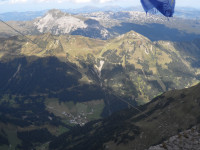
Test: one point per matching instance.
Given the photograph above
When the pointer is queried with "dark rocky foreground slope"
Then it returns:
(165, 116)
(186, 140)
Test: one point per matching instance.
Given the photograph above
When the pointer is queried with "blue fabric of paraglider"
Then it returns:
(166, 7)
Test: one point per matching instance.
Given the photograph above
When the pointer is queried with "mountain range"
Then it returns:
(99, 81)
(107, 25)
(128, 63)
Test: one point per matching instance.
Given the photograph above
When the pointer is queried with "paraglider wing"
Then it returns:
(147, 5)
(166, 7)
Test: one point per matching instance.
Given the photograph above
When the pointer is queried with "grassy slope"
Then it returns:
(162, 64)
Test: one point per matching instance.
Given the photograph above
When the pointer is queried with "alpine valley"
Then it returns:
(71, 81)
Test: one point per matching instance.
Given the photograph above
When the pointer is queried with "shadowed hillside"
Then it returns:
(164, 116)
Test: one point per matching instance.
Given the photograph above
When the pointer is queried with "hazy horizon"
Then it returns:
(39, 5)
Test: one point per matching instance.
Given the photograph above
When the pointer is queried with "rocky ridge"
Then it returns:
(186, 140)
(58, 22)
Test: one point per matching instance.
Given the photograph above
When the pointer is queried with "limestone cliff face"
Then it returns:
(58, 22)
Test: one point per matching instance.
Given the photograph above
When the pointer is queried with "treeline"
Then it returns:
(33, 138)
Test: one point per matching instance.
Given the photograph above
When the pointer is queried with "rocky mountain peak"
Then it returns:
(58, 22)
(134, 36)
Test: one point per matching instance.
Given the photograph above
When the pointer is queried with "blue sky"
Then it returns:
(32, 5)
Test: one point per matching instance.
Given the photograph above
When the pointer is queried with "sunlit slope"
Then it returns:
(131, 65)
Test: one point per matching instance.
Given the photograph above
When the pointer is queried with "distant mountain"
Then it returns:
(58, 22)
(21, 16)
(107, 25)
(182, 12)
(90, 9)
(31, 15)
(189, 13)
(155, 27)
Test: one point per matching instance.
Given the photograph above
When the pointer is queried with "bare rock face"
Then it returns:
(58, 22)
(186, 140)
